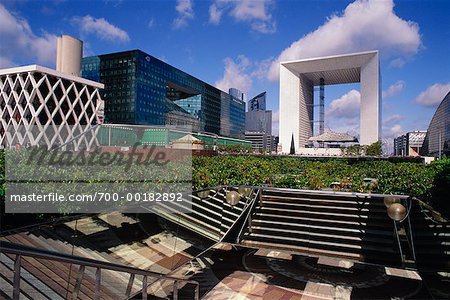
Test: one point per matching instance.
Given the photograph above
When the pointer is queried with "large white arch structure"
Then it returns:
(297, 81)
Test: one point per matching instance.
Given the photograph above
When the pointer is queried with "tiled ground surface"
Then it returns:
(230, 272)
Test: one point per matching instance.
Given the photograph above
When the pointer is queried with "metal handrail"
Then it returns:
(269, 188)
(25, 251)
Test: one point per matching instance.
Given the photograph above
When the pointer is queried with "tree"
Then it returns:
(374, 149)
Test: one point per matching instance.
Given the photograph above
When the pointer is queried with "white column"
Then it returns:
(289, 108)
(370, 111)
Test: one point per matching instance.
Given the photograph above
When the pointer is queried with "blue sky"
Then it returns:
(239, 44)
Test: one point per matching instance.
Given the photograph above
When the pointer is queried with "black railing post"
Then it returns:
(129, 286)
(144, 288)
(17, 266)
(98, 279)
(77, 287)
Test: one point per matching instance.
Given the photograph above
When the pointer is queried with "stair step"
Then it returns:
(323, 206)
(346, 247)
(336, 197)
(386, 226)
(322, 214)
(349, 202)
(302, 250)
(191, 223)
(30, 286)
(321, 236)
(306, 226)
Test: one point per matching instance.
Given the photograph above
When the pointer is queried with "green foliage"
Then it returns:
(358, 150)
(353, 150)
(374, 149)
(235, 148)
(429, 183)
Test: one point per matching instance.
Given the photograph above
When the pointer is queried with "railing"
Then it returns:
(23, 251)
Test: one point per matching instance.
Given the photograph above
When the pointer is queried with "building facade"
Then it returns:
(258, 124)
(258, 102)
(232, 121)
(139, 87)
(437, 139)
(261, 141)
(259, 121)
(409, 144)
(50, 106)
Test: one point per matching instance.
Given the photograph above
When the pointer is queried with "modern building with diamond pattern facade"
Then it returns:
(58, 106)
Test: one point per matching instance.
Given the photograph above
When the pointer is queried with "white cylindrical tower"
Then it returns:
(68, 55)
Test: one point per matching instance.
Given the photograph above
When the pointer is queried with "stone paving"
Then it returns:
(234, 272)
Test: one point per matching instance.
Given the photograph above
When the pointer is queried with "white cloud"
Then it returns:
(185, 12)
(151, 23)
(215, 14)
(100, 28)
(19, 42)
(256, 13)
(394, 89)
(236, 75)
(392, 119)
(345, 107)
(394, 131)
(364, 25)
(433, 95)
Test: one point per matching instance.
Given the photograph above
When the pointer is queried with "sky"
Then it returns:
(240, 44)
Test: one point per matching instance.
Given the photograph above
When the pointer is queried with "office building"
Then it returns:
(437, 139)
(259, 121)
(258, 124)
(297, 81)
(409, 144)
(232, 120)
(141, 89)
(258, 102)
(261, 141)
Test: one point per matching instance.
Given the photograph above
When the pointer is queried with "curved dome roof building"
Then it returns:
(438, 134)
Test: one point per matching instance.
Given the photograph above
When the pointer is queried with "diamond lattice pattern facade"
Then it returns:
(41, 106)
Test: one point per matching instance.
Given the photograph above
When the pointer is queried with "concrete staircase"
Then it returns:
(113, 238)
(210, 217)
(432, 239)
(347, 225)
(56, 279)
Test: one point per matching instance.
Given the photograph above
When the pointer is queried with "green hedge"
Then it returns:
(429, 183)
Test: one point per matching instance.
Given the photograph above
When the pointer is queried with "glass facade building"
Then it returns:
(143, 90)
(437, 140)
(258, 102)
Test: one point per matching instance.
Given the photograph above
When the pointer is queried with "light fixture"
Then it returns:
(396, 212)
(203, 194)
(233, 198)
(245, 191)
(388, 201)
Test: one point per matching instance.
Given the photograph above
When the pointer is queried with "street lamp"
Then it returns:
(233, 198)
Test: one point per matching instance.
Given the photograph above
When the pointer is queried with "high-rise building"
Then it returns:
(141, 89)
(259, 121)
(258, 124)
(232, 121)
(409, 144)
(258, 102)
(437, 139)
